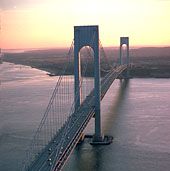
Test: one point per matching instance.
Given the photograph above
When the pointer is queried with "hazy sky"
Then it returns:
(49, 23)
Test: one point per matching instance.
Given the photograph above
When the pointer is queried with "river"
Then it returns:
(136, 113)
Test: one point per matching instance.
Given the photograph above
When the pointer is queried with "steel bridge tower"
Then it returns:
(124, 41)
(88, 36)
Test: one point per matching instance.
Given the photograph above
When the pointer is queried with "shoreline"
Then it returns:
(52, 72)
(53, 62)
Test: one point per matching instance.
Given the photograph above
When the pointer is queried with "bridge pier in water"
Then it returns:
(88, 36)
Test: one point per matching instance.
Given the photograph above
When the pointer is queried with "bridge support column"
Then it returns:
(97, 85)
(77, 77)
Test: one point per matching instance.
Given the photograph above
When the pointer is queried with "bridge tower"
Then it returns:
(88, 36)
(124, 41)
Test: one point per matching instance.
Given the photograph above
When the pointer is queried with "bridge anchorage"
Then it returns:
(67, 115)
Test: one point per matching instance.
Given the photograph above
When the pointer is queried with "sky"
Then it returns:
(49, 23)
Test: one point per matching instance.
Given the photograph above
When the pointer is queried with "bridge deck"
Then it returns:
(55, 154)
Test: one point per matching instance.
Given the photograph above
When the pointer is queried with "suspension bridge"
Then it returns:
(74, 103)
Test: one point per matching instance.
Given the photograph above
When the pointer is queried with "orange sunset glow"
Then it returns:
(49, 23)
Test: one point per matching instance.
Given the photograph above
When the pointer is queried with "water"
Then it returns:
(24, 94)
(136, 113)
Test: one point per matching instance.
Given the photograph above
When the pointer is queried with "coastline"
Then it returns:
(53, 62)
(135, 71)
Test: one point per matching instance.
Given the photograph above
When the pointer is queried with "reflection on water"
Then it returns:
(135, 112)
(120, 95)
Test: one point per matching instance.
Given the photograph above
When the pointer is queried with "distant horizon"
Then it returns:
(66, 47)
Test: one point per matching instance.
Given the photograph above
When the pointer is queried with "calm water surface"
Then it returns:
(136, 113)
